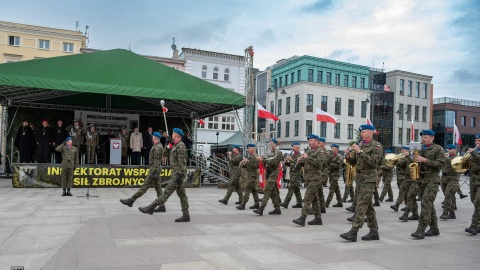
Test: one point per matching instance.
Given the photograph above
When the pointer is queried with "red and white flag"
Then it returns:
(164, 109)
(261, 176)
(368, 122)
(201, 122)
(262, 113)
(325, 117)
(458, 139)
(412, 132)
(386, 88)
(280, 176)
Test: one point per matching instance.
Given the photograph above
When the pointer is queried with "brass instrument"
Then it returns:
(391, 160)
(350, 170)
(462, 164)
(298, 159)
(414, 168)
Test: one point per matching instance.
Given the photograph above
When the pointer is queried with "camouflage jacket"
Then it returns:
(448, 174)
(403, 169)
(252, 168)
(233, 162)
(272, 166)
(293, 164)
(155, 157)
(435, 162)
(387, 171)
(368, 161)
(69, 155)
(326, 166)
(178, 158)
(475, 162)
(313, 164)
(335, 164)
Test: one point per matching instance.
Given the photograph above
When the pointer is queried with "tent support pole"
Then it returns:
(4, 135)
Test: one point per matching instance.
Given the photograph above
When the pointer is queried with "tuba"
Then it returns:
(414, 168)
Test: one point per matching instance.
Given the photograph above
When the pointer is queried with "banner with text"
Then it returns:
(50, 175)
(106, 121)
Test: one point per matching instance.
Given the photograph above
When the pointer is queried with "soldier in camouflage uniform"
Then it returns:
(387, 177)
(69, 159)
(250, 163)
(177, 153)
(430, 161)
(475, 186)
(273, 170)
(295, 177)
(449, 184)
(325, 169)
(367, 158)
(335, 163)
(411, 189)
(234, 158)
(312, 161)
(153, 177)
(402, 174)
(349, 189)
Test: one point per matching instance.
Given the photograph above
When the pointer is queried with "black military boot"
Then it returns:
(64, 192)
(452, 215)
(315, 221)
(432, 232)
(404, 217)
(463, 196)
(351, 200)
(300, 221)
(275, 211)
(327, 205)
(377, 203)
(395, 207)
(255, 206)
(413, 217)
(160, 208)
(350, 235)
(298, 205)
(372, 235)
(351, 218)
(419, 234)
(472, 230)
(444, 215)
(389, 200)
(68, 192)
(344, 199)
(380, 199)
(128, 202)
(351, 209)
(184, 218)
(258, 211)
(147, 209)
(239, 202)
(284, 205)
(323, 210)
(403, 209)
(223, 201)
(339, 204)
(241, 207)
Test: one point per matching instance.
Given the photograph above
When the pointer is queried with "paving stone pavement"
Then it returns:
(39, 229)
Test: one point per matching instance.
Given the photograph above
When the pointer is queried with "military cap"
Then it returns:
(428, 132)
(476, 136)
(157, 134)
(313, 136)
(295, 143)
(335, 145)
(178, 131)
(405, 148)
(451, 146)
(68, 138)
(366, 127)
(44, 120)
(274, 140)
(388, 151)
(250, 145)
(236, 146)
(322, 139)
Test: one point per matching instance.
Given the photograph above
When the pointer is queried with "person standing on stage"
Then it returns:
(234, 157)
(251, 164)
(75, 132)
(59, 136)
(335, 164)
(91, 142)
(44, 138)
(177, 153)
(475, 186)
(69, 160)
(449, 184)
(295, 177)
(24, 141)
(136, 144)
(123, 135)
(148, 144)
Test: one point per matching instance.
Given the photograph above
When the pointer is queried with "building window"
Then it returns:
(297, 103)
(415, 135)
(13, 41)
(275, 84)
(309, 102)
(213, 122)
(286, 80)
(204, 72)
(464, 120)
(409, 135)
(402, 87)
(279, 107)
(320, 76)
(345, 80)
(67, 47)
(287, 129)
(215, 73)
(424, 90)
(279, 129)
(323, 129)
(287, 109)
(409, 93)
(44, 44)
(226, 75)
(299, 76)
(338, 106)
(323, 103)
(228, 123)
(417, 109)
(295, 128)
(424, 114)
(337, 79)
(310, 75)
(308, 127)
(272, 128)
(272, 107)
(364, 109)
(472, 121)
(400, 110)
(350, 131)
(329, 78)
(351, 107)
(354, 82)
(409, 112)
(400, 136)
(417, 89)
(292, 76)
(280, 82)
(336, 131)
(362, 83)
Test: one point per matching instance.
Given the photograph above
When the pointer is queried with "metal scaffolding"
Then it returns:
(249, 98)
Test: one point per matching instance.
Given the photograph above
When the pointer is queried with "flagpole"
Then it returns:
(454, 124)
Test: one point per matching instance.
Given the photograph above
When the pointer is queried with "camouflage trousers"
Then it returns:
(311, 199)
(271, 191)
(321, 196)
(365, 207)
(387, 187)
(293, 188)
(475, 198)
(170, 188)
(449, 189)
(402, 191)
(333, 189)
(153, 177)
(234, 185)
(428, 216)
(358, 183)
(67, 175)
(411, 188)
(349, 191)
(250, 187)
(400, 180)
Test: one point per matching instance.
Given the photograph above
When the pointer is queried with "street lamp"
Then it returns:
(216, 152)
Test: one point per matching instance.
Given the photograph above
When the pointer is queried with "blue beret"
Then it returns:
(476, 136)
(295, 143)
(250, 145)
(428, 132)
(178, 131)
(235, 146)
(274, 140)
(388, 151)
(335, 145)
(405, 148)
(68, 139)
(157, 134)
(322, 139)
(451, 146)
(366, 127)
(313, 136)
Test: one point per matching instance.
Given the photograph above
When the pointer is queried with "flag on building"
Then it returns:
(201, 122)
(368, 122)
(262, 113)
(261, 176)
(412, 132)
(325, 117)
(457, 139)
(386, 88)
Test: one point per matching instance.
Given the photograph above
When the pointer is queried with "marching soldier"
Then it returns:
(367, 158)
(75, 132)
(234, 158)
(295, 177)
(153, 177)
(430, 162)
(91, 143)
(349, 190)
(334, 173)
(59, 136)
(69, 160)
(273, 172)
(449, 184)
(251, 164)
(326, 157)
(387, 177)
(402, 174)
(177, 153)
(312, 161)
(24, 141)
(475, 186)
(123, 135)
(411, 189)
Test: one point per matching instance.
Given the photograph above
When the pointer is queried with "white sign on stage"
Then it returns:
(108, 121)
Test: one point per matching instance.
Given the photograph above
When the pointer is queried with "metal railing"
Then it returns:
(211, 166)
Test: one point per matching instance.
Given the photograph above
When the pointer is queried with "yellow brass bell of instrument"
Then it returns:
(414, 169)
(461, 164)
(391, 160)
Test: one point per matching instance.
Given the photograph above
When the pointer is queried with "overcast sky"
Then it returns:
(438, 38)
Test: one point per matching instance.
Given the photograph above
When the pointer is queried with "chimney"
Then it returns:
(175, 55)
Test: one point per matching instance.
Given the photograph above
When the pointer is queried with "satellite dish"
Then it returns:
(174, 47)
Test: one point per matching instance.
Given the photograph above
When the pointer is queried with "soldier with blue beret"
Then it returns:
(475, 185)
(295, 177)
(234, 158)
(69, 160)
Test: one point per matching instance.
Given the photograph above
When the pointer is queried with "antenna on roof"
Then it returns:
(87, 36)
(129, 47)
(383, 66)
(76, 26)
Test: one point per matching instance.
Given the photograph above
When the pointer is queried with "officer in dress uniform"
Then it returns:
(75, 132)
(125, 137)
(91, 143)
(295, 177)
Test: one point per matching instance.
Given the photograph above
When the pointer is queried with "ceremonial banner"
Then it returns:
(106, 121)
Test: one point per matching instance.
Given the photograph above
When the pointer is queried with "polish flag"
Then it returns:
(458, 140)
(164, 109)
(325, 117)
(386, 88)
(262, 113)
(261, 176)
(201, 122)
(280, 176)
(370, 123)
(412, 132)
